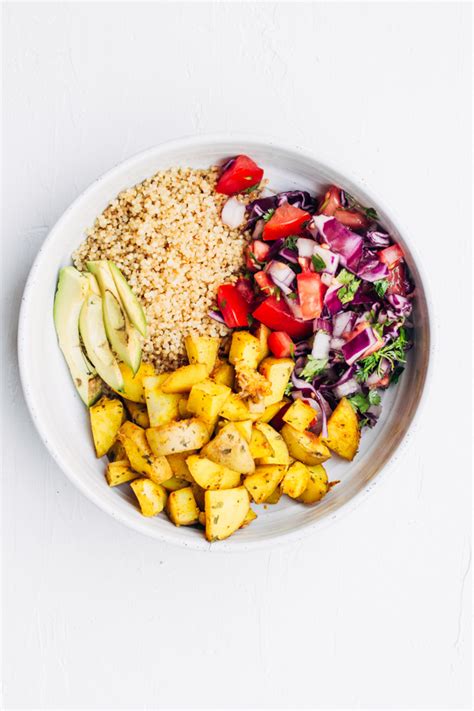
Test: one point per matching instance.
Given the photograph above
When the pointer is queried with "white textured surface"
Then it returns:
(371, 613)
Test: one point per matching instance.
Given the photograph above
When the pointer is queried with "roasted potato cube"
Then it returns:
(181, 507)
(251, 516)
(264, 482)
(299, 415)
(230, 449)
(275, 496)
(270, 411)
(295, 480)
(178, 465)
(184, 413)
(261, 334)
(244, 350)
(162, 407)
(174, 484)
(117, 452)
(140, 455)
(202, 349)
(138, 413)
(133, 384)
(151, 496)
(224, 374)
(245, 429)
(106, 417)
(343, 430)
(210, 475)
(119, 472)
(259, 445)
(278, 372)
(280, 453)
(306, 447)
(183, 379)
(236, 410)
(317, 486)
(198, 492)
(225, 512)
(181, 436)
(206, 400)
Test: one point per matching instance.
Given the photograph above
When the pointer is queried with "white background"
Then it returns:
(370, 613)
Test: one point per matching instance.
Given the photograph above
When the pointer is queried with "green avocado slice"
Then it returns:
(123, 336)
(91, 326)
(70, 296)
(131, 304)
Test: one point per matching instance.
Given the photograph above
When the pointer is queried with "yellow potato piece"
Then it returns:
(295, 480)
(235, 409)
(140, 455)
(181, 436)
(225, 512)
(299, 415)
(259, 445)
(245, 429)
(343, 430)
(250, 516)
(174, 484)
(202, 349)
(261, 334)
(210, 475)
(280, 453)
(317, 486)
(206, 400)
(106, 417)
(178, 465)
(138, 413)
(183, 411)
(306, 447)
(270, 411)
(151, 496)
(224, 374)
(264, 482)
(244, 350)
(230, 449)
(183, 379)
(117, 452)
(181, 507)
(133, 384)
(119, 472)
(278, 372)
(162, 407)
(275, 496)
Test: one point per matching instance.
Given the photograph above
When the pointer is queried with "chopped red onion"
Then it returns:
(330, 259)
(258, 229)
(348, 388)
(233, 213)
(289, 255)
(216, 315)
(336, 343)
(281, 272)
(326, 278)
(357, 346)
(341, 240)
(400, 304)
(331, 299)
(342, 322)
(305, 247)
(320, 348)
(322, 324)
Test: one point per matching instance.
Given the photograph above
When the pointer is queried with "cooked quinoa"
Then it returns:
(167, 237)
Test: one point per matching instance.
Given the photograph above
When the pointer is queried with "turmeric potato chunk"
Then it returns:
(306, 447)
(106, 417)
(151, 496)
(343, 430)
(141, 457)
(202, 349)
(317, 486)
(280, 453)
(210, 475)
(244, 350)
(278, 372)
(264, 482)
(295, 480)
(183, 379)
(119, 472)
(162, 407)
(133, 384)
(181, 507)
(230, 449)
(299, 415)
(225, 512)
(206, 400)
(181, 436)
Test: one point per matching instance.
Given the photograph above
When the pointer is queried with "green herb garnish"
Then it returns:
(381, 287)
(368, 211)
(361, 403)
(347, 292)
(313, 367)
(288, 388)
(252, 188)
(290, 241)
(393, 351)
(318, 263)
(268, 214)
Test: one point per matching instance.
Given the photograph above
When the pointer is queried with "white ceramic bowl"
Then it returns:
(62, 420)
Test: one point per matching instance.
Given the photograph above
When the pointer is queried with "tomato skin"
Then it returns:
(355, 332)
(260, 251)
(263, 281)
(244, 287)
(305, 263)
(234, 308)
(281, 344)
(353, 219)
(286, 220)
(382, 383)
(331, 202)
(276, 315)
(397, 280)
(391, 256)
(311, 294)
(241, 175)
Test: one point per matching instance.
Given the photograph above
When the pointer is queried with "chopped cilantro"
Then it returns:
(393, 351)
(347, 292)
(318, 263)
(268, 214)
(290, 241)
(250, 319)
(313, 367)
(291, 295)
(252, 188)
(381, 287)
(368, 211)
(289, 388)
(361, 402)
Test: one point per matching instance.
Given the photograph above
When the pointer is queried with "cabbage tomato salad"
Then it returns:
(329, 281)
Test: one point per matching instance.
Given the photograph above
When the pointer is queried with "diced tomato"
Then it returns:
(310, 294)
(331, 201)
(382, 383)
(263, 281)
(286, 220)
(257, 252)
(276, 315)
(391, 256)
(281, 344)
(305, 263)
(241, 175)
(244, 286)
(355, 332)
(397, 280)
(234, 308)
(353, 219)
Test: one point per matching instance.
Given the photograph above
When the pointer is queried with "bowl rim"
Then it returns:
(233, 544)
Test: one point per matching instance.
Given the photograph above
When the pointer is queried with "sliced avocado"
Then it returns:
(70, 296)
(91, 326)
(131, 304)
(123, 336)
